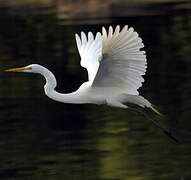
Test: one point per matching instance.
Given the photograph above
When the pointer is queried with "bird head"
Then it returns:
(32, 68)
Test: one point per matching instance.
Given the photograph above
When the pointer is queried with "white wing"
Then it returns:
(89, 50)
(123, 63)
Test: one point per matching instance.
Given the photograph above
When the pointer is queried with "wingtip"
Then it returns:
(83, 33)
(98, 34)
(110, 28)
(126, 26)
(76, 35)
(118, 26)
(103, 29)
(104, 32)
(156, 111)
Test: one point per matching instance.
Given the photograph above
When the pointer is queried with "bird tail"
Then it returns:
(138, 100)
(145, 103)
(156, 111)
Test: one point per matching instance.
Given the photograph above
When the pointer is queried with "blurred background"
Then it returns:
(44, 139)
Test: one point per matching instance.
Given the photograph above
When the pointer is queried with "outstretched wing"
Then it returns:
(89, 50)
(122, 63)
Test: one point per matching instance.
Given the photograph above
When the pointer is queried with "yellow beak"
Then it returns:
(17, 69)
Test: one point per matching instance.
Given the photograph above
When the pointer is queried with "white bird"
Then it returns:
(115, 65)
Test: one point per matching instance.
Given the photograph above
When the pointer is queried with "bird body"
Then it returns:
(87, 93)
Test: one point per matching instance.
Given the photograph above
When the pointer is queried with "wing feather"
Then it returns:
(123, 63)
(89, 50)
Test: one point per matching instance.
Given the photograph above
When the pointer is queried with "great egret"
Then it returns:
(115, 65)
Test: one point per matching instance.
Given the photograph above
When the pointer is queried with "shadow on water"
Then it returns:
(43, 139)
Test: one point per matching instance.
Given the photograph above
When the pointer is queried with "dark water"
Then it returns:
(44, 139)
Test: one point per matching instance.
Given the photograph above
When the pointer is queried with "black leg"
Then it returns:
(166, 132)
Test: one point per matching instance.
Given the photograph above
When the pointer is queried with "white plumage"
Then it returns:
(122, 62)
(115, 64)
(89, 50)
(118, 56)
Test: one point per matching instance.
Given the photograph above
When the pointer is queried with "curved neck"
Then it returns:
(50, 89)
(50, 79)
